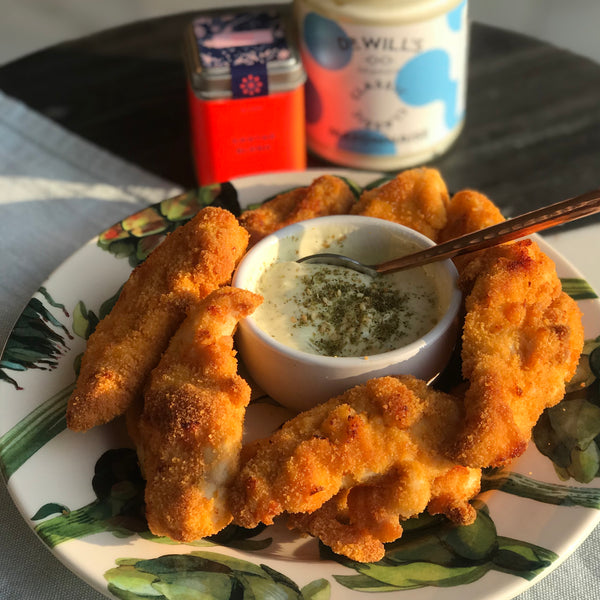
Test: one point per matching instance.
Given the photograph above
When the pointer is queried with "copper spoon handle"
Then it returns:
(511, 229)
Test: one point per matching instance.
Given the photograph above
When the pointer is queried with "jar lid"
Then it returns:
(380, 12)
(242, 54)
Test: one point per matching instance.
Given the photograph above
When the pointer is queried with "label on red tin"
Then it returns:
(384, 90)
(244, 42)
(248, 81)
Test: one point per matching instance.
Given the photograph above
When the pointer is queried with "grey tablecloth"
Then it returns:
(57, 192)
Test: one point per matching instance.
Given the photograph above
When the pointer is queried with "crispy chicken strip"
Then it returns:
(190, 432)
(358, 521)
(337, 444)
(468, 211)
(522, 339)
(349, 440)
(192, 261)
(417, 198)
(326, 195)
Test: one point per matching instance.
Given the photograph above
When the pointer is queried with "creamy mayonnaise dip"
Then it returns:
(334, 311)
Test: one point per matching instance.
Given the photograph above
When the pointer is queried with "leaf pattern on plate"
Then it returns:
(38, 339)
(207, 575)
(119, 509)
(549, 493)
(37, 428)
(434, 552)
(137, 235)
(578, 289)
(569, 433)
(32, 432)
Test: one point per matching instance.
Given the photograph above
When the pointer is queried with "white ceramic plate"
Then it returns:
(522, 532)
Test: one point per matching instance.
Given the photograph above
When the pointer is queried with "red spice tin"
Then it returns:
(246, 94)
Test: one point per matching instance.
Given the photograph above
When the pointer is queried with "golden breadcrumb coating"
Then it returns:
(469, 211)
(522, 339)
(311, 457)
(190, 431)
(417, 198)
(326, 195)
(337, 444)
(387, 425)
(359, 520)
(191, 262)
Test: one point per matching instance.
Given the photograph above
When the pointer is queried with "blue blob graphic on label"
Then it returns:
(455, 16)
(327, 42)
(366, 141)
(425, 79)
(312, 101)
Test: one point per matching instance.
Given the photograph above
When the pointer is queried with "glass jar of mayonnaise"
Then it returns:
(386, 78)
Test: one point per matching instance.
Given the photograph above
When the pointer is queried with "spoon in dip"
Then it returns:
(506, 231)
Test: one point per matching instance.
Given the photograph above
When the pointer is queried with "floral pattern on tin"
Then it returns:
(241, 39)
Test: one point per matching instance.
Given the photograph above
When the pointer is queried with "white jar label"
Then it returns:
(384, 91)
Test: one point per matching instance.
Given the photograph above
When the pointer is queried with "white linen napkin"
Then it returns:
(57, 191)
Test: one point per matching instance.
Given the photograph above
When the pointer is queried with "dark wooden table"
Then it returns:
(532, 133)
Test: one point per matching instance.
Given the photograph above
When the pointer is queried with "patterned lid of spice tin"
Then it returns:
(242, 54)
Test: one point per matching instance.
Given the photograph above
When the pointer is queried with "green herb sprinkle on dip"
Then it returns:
(333, 311)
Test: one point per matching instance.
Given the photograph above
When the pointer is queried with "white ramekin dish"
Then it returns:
(299, 380)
